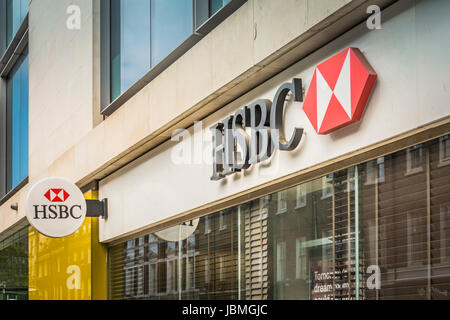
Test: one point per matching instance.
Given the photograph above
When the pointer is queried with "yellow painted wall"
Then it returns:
(99, 258)
(70, 268)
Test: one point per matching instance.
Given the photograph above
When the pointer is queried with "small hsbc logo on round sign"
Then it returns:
(55, 207)
(56, 195)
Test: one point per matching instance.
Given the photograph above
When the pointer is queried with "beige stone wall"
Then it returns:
(259, 40)
(61, 85)
(60, 90)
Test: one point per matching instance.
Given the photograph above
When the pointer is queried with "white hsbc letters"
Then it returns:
(235, 150)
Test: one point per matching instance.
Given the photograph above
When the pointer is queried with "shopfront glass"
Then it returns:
(14, 266)
(378, 230)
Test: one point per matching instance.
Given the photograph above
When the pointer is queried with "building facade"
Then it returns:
(248, 149)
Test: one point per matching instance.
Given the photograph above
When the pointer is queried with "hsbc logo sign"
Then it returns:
(336, 97)
(55, 207)
(339, 91)
(56, 195)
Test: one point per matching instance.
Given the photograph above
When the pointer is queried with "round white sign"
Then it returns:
(179, 232)
(55, 207)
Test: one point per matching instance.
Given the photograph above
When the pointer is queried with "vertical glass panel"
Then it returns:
(439, 180)
(17, 125)
(9, 21)
(210, 255)
(207, 8)
(302, 239)
(115, 49)
(172, 23)
(216, 5)
(254, 250)
(395, 212)
(23, 158)
(130, 43)
(16, 11)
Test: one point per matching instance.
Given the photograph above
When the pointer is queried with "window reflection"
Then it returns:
(14, 266)
(171, 24)
(216, 5)
(130, 43)
(332, 230)
(17, 124)
(144, 32)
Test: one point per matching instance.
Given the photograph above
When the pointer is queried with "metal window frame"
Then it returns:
(107, 107)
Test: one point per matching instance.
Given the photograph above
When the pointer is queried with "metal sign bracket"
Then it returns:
(97, 208)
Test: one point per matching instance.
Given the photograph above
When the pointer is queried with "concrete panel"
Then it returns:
(60, 79)
(275, 25)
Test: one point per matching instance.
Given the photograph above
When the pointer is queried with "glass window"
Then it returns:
(171, 24)
(444, 148)
(281, 261)
(205, 9)
(282, 202)
(17, 125)
(301, 263)
(301, 196)
(414, 157)
(380, 163)
(387, 239)
(14, 266)
(223, 219)
(327, 186)
(216, 5)
(144, 32)
(130, 43)
(264, 207)
(16, 11)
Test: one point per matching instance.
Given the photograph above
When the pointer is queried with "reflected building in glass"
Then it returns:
(320, 240)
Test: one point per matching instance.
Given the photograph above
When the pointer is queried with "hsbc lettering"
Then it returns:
(57, 212)
(55, 207)
(337, 96)
(264, 119)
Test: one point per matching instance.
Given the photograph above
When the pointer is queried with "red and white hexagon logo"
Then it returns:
(56, 195)
(339, 91)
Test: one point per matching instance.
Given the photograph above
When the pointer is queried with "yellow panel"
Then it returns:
(60, 269)
(99, 256)
(63, 268)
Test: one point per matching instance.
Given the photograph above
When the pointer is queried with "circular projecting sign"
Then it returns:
(179, 232)
(55, 207)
